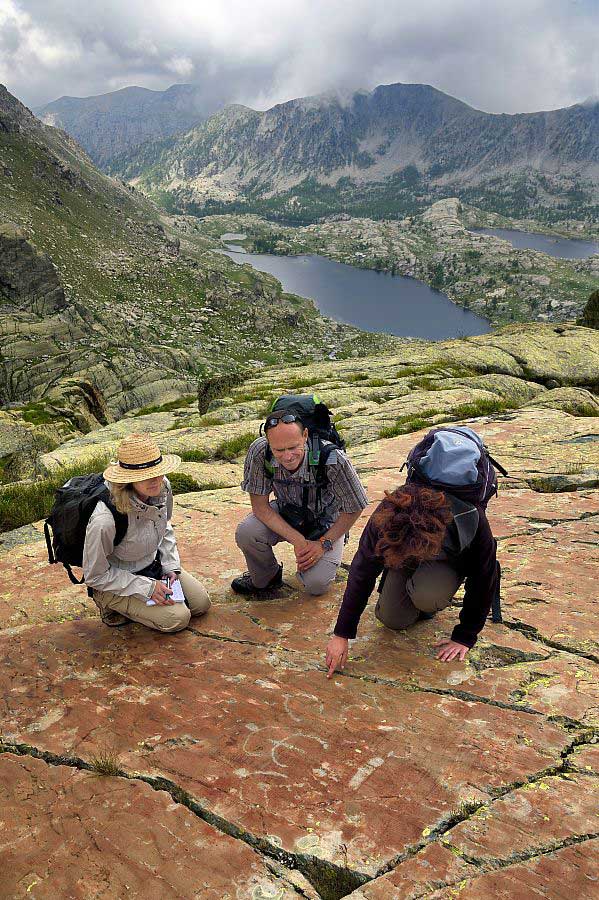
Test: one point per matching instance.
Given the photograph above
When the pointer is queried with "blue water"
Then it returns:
(373, 301)
(564, 248)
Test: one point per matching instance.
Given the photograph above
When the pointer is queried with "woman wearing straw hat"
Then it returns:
(133, 580)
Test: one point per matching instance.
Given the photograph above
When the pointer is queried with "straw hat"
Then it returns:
(138, 458)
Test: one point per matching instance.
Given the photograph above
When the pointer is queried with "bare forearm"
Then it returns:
(341, 526)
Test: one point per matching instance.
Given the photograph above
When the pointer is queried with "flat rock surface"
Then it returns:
(401, 777)
(133, 837)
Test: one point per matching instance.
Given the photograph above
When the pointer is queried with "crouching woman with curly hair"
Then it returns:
(425, 542)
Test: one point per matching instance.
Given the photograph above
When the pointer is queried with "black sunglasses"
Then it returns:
(286, 419)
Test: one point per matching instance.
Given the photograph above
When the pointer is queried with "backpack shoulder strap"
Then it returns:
(327, 451)
(320, 470)
(268, 464)
(465, 520)
(497, 465)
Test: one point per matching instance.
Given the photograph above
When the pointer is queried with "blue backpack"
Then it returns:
(455, 459)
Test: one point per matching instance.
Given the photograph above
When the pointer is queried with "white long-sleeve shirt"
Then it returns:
(110, 568)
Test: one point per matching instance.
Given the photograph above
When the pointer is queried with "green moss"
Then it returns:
(358, 376)
(37, 413)
(186, 400)
(481, 407)
(405, 425)
(585, 409)
(427, 384)
(214, 387)
(209, 420)
(234, 447)
(545, 484)
(194, 455)
(211, 486)
(299, 383)
(182, 483)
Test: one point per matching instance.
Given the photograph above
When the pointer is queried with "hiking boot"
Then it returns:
(245, 585)
(424, 616)
(111, 617)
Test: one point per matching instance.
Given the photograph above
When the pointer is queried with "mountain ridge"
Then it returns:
(124, 118)
(373, 138)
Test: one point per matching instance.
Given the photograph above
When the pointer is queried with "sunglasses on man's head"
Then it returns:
(286, 419)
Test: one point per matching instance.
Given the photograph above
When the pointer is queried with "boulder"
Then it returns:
(576, 401)
(29, 281)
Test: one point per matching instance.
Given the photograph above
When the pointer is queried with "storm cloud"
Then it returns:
(509, 56)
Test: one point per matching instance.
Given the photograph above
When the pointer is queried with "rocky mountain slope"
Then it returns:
(402, 777)
(420, 384)
(103, 311)
(402, 140)
(117, 122)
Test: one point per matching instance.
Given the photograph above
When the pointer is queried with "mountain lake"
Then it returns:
(564, 248)
(373, 301)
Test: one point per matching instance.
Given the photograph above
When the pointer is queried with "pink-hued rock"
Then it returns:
(526, 830)
(361, 770)
(562, 874)
(587, 759)
(350, 766)
(69, 833)
(553, 582)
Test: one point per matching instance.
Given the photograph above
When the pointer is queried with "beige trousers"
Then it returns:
(173, 617)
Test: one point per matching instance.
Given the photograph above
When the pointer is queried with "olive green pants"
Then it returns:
(404, 597)
(173, 617)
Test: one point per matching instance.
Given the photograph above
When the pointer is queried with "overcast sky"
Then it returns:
(507, 56)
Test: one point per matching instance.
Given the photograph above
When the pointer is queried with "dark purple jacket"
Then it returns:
(477, 564)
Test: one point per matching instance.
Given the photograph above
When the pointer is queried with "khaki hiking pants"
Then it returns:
(256, 540)
(173, 617)
(403, 597)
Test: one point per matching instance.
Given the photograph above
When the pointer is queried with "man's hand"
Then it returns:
(451, 650)
(307, 554)
(162, 594)
(336, 655)
(171, 577)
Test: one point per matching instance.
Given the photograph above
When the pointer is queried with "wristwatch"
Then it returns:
(326, 544)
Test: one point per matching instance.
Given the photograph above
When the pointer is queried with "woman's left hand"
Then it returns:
(451, 650)
(171, 577)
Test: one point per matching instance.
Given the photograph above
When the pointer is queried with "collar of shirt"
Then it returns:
(153, 502)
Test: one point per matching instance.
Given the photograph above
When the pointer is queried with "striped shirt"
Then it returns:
(342, 493)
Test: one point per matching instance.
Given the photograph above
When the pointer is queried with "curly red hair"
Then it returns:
(412, 521)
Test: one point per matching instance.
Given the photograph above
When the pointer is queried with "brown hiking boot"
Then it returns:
(111, 617)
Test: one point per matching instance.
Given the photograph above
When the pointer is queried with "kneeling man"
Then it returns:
(314, 507)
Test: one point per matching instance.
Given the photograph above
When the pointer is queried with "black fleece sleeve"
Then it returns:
(365, 568)
(479, 562)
